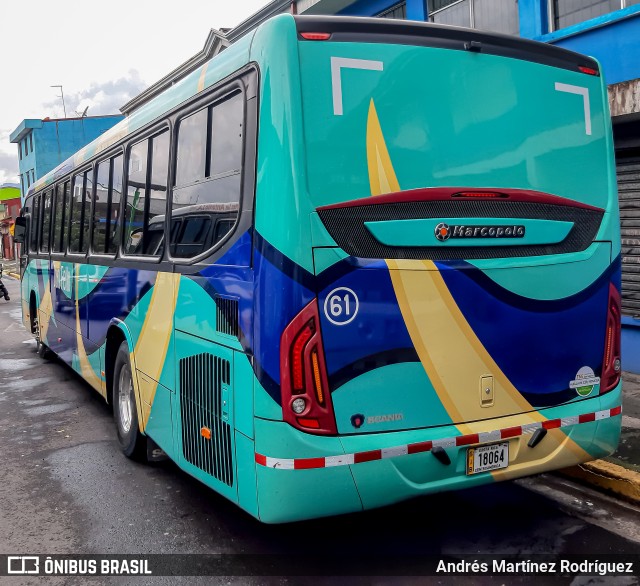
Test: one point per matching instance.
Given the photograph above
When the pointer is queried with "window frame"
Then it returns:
(58, 190)
(155, 130)
(219, 94)
(35, 224)
(109, 158)
(80, 173)
(245, 81)
(47, 190)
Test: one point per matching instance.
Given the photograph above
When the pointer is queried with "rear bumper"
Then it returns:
(300, 476)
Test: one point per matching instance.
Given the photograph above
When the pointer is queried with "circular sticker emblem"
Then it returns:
(585, 382)
(442, 232)
(341, 306)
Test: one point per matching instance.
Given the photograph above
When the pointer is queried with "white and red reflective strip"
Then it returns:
(417, 448)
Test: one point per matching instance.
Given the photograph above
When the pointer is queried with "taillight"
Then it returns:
(480, 194)
(611, 365)
(588, 70)
(316, 36)
(306, 401)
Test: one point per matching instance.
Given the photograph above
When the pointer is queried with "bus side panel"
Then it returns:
(204, 413)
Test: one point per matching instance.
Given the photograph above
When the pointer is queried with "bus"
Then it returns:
(345, 263)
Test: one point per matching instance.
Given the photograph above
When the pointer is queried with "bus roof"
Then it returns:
(405, 32)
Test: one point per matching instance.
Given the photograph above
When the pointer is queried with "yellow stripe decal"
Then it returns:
(203, 76)
(153, 342)
(85, 367)
(382, 176)
(450, 352)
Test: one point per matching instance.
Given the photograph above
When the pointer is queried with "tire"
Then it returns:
(42, 349)
(125, 412)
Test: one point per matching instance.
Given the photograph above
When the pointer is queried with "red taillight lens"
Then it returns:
(588, 70)
(611, 366)
(306, 400)
(481, 194)
(316, 36)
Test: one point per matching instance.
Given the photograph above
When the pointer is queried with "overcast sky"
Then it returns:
(102, 53)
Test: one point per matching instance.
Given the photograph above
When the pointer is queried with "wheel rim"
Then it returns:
(125, 398)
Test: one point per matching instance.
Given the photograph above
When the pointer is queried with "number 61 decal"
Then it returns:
(341, 306)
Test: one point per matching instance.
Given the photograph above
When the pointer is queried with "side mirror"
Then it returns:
(20, 230)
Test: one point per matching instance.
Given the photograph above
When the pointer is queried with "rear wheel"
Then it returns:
(125, 412)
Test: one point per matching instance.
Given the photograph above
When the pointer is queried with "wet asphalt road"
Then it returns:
(66, 488)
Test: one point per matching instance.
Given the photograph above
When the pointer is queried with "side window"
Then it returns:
(75, 213)
(115, 196)
(46, 222)
(211, 191)
(35, 224)
(192, 148)
(85, 221)
(101, 209)
(106, 210)
(65, 218)
(147, 196)
(193, 237)
(58, 219)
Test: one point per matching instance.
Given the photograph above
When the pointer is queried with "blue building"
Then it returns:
(44, 144)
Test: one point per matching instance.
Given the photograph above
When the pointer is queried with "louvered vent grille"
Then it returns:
(227, 315)
(629, 190)
(202, 379)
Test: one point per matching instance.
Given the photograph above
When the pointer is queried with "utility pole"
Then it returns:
(62, 96)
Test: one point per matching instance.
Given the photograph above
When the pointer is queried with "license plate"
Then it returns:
(485, 458)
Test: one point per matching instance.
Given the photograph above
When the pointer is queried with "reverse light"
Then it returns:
(611, 365)
(316, 36)
(298, 406)
(306, 401)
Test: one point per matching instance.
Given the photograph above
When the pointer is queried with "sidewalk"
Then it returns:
(620, 472)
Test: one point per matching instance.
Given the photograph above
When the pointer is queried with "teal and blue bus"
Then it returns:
(346, 262)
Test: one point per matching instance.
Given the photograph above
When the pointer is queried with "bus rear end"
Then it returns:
(460, 321)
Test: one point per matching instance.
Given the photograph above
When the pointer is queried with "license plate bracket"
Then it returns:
(487, 458)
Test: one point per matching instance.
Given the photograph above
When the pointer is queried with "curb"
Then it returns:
(607, 477)
(14, 275)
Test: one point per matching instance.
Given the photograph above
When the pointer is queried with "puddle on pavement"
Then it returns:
(21, 384)
(18, 364)
(48, 409)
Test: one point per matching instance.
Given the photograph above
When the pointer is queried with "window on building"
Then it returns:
(33, 172)
(35, 223)
(22, 184)
(106, 209)
(31, 141)
(568, 12)
(20, 151)
(206, 202)
(398, 11)
(490, 15)
(28, 177)
(147, 195)
(46, 222)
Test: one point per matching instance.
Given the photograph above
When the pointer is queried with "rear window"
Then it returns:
(448, 118)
